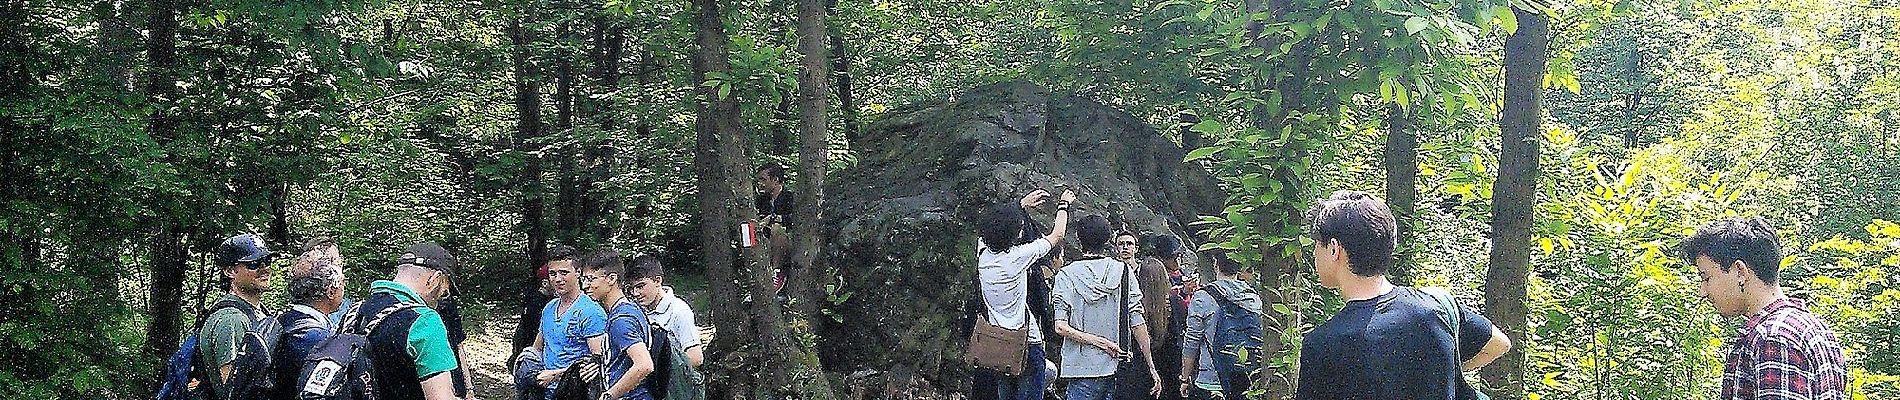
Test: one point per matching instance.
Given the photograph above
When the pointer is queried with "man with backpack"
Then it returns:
(316, 290)
(244, 262)
(628, 358)
(408, 345)
(1221, 318)
(673, 340)
(1387, 342)
(1098, 313)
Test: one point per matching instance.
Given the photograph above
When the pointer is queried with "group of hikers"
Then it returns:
(609, 331)
(1119, 317)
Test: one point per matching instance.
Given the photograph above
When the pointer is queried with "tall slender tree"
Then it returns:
(528, 181)
(814, 137)
(1526, 55)
(167, 243)
(1401, 182)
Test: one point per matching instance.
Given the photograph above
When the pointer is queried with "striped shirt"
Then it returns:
(1786, 353)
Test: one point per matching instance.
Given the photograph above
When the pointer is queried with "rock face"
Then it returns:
(901, 223)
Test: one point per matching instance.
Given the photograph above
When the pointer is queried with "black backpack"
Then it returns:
(254, 369)
(584, 380)
(339, 368)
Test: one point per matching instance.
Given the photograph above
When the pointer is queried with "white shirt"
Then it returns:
(677, 317)
(1005, 284)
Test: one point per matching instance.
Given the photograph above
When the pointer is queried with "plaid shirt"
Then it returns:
(1785, 352)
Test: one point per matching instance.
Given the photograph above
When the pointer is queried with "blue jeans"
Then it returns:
(1029, 386)
(1102, 388)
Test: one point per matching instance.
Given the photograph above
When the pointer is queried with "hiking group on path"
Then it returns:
(611, 329)
(1116, 320)
(404, 340)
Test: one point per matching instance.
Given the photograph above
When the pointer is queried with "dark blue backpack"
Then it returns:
(181, 367)
(1236, 345)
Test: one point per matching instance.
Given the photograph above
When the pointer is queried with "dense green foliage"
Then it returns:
(385, 122)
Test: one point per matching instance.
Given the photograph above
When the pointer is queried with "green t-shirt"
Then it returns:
(218, 340)
(428, 337)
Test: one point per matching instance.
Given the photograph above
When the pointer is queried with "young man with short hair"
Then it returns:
(244, 262)
(1004, 281)
(1199, 378)
(665, 309)
(1388, 342)
(572, 326)
(1153, 283)
(410, 346)
(1783, 351)
(628, 361)
(1091, 296)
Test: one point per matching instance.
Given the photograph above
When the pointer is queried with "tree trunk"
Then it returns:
(610, 41)
(1401, 184)
(813, 142)
(567, 216)
(1280, 274)
(1525, 54)
(782, 366)
(527, 129)
(841, 70)
(1190, 138)
(781, 134)
(280, 215)
(167, 247)
(716, 116)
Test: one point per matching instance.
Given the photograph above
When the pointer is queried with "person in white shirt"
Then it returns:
(664, 309)
(1003, 274)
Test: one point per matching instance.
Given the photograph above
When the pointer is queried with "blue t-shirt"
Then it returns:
(566, 335)
(1389, 347)
(626, 327)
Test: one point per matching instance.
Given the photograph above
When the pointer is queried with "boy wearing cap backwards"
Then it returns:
(410, 347)
(244, 261)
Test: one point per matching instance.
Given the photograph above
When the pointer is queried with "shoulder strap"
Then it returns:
(1452, 316)
(354, 321)
(1121, 303)
(386, 313)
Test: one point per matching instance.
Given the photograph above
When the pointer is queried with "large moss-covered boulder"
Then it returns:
(900, 223)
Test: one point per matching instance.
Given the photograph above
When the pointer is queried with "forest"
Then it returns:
(1545, 158)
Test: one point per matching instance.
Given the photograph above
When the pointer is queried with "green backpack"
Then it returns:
(1451, 315)
(673, 375)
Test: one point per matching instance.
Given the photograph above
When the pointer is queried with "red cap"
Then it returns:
(542, 273)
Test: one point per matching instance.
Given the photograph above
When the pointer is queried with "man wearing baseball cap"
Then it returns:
(409, 346)
(244, 262)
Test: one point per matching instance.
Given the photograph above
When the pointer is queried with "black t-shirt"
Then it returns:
(780, 206)
(1391, 347)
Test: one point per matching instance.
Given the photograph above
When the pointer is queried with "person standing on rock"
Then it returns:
(1098, 312)
(1003, 275)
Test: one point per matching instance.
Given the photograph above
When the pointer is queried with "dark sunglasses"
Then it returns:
(257, 265)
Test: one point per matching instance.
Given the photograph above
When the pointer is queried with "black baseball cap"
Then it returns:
(432, 256)
(429, 255)
(244, 248)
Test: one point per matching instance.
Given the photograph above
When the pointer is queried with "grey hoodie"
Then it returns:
(1202, 315)
(1083, 296)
